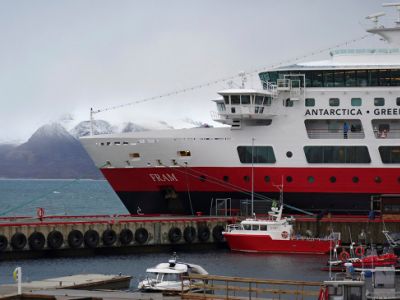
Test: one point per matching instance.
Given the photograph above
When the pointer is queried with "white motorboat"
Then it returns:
(168, 277)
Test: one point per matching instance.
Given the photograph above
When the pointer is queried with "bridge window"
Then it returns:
(334, 102)
(356, 101)
(226, 99)
(261, 154)
(379, 101)
(235, 99)
(245, 99)
(259, 100)
(310, 102)
(390, 154)
(337, 154)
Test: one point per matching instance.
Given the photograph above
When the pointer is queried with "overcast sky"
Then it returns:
(63, 57)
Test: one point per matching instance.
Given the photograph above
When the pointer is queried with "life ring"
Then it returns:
(203, 233)
(75, 239)
(344, 255)
(55, 239)
(125, 236)
(217, 233)
(141, 235)
(36, 241)
(360, 251)
(174, 235)
(91, 238)
(284, 234)
(3, 243)
(18, 241)
(189, 234)
(109, 237)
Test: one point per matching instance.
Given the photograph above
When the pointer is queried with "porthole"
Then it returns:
(289, 178)
(246, 178)
(332, 179)
(311, 179)
(289, 154)
(356, 179)
(267, 179)
(202, 178)
(225, 178)
(378, 179)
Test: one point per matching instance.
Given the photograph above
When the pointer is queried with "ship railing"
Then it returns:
(270, 87)
(334, 134)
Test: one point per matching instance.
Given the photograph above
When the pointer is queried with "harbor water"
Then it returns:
(68, 197)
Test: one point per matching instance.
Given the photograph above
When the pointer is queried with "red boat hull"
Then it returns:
(264, 243)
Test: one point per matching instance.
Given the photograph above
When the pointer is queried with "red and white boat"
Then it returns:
(275, 234)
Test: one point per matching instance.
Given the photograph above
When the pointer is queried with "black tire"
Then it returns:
(18, 241)
(141, 235)
(55, 239)
(174, 235)
(91, 238)
(3, 243)
(217, 233)
(203, 233)
(189, 234)
(125, 237)
(75, 239)
(36, 241)
(109, 237)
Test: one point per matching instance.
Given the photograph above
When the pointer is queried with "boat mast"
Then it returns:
(252, 177)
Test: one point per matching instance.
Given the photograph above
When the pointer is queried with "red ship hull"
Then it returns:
(264, 244)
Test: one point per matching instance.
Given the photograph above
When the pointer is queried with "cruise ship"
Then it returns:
(327, 133)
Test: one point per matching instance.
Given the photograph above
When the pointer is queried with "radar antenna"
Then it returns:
(243, 76)
(375, 18)
(397, 5)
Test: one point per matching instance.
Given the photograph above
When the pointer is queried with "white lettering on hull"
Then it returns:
(163, 177)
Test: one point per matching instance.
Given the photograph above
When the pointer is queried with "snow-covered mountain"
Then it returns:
(99, 127)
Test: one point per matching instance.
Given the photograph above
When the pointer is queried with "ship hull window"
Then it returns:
(310, 102)
(379, 101)
(235, 99)
(390, 154)
(261, 154)
(337, 154)
(356, 101)
(334, 102)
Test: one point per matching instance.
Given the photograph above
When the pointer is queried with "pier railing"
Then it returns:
(235, 288)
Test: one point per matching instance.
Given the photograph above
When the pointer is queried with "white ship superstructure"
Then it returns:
(328, 131)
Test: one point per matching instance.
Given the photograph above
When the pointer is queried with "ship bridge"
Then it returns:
(249, 105)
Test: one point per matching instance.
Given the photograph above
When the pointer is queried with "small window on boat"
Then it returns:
(263, 227)
(267, 101)
(225, 178)
(267, 179)
(102, 144)
(356, 101)
(134, 155)
(332, 179)
(390, 154)
(398, 101)
(235, 99)
(245, 99)
(246, 178)
(247, 227)
(184, 153)
(379, 101)
(108, 143)
(289, 103)
(117, 143)
(125, 143)
(356, 179)
(226, 99)
(255, 227)
(289, 178)
(310, 102)
(334, 102)
(259, 100)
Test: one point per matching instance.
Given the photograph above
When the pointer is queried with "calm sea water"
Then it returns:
(22, 197)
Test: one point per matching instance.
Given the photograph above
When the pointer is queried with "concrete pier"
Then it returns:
(62, 234)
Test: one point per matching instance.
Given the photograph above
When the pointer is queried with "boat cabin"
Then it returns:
(244, 104)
